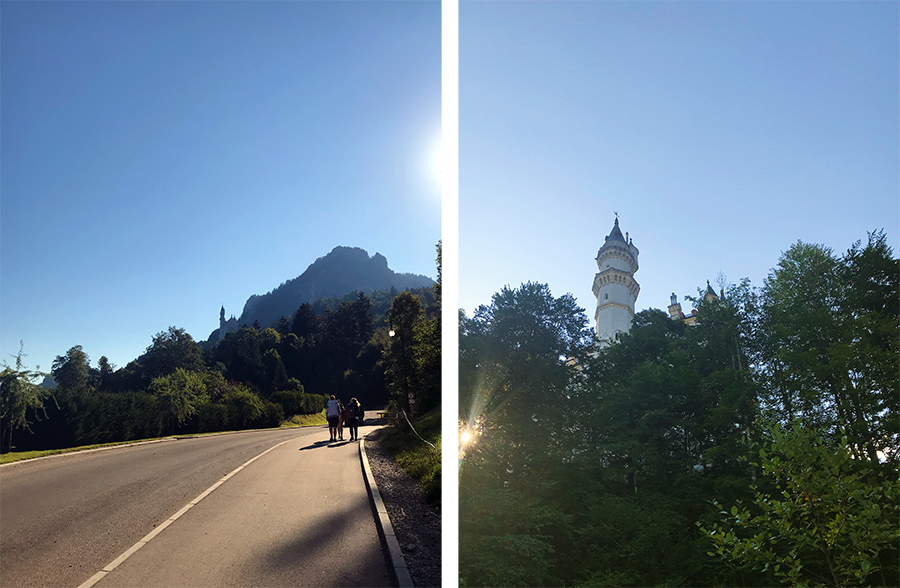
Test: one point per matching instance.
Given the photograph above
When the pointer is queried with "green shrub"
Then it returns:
(244, 407)
(212, 417)
(273, 414)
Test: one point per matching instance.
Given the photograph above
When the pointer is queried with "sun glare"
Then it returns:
(437, 159)
(468, 436)
(430, 163)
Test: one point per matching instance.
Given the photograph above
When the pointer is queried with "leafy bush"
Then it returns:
(273, 414)
(212, 417)
(243, 406)
(826, 516)
(298, 402)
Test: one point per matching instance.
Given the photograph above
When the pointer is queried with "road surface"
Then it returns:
(298, 515)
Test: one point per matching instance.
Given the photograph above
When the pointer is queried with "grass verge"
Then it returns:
(305, 420)
(419, 459)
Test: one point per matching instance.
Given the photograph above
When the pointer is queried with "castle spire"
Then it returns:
(616, 232)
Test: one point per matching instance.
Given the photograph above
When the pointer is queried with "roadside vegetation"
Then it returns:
(410, 448)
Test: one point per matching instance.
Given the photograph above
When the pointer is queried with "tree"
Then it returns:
(283, 326)
(522, 350)
(437, 283)
(427, 357)
(518, 366)
(244, 407)
(830, 336)
(427, 349)
(19, 396)
(180, 394)
(401, 373)
(71, 371)
(171, 350)
(665, 415)
(821, 517)
(105, 372)
(240, 352)
(871, 303)
(305, 321)
(276, 374)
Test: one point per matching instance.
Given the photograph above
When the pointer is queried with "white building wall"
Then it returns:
(615, 293)
(615, 263)
(612, 320)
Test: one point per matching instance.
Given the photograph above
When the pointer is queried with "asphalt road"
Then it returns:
(297, 516)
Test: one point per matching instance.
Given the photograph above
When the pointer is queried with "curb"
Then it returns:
(383, 522)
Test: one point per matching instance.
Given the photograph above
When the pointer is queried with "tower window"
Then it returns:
(606, 296)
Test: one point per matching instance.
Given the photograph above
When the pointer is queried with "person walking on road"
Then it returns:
(333, 414)
(354, 416)
(342, 420)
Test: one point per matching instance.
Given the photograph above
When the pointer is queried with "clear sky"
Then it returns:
(161, 159)
(721, 132)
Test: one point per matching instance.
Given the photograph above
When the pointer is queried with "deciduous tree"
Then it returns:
(20, 397)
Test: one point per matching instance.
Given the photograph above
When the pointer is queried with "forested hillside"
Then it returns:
(254, 377)
(759, 447)
(342, 271)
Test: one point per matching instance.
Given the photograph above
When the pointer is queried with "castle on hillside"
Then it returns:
(616, 289)
(225, 326)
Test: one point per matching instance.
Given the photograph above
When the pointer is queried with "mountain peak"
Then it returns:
(341, 271)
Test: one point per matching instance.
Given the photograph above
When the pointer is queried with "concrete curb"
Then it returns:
(383, 521)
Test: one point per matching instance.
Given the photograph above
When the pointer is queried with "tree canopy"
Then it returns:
(757, 446)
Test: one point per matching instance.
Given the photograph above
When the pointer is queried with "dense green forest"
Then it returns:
(254, 377)
(758, 447)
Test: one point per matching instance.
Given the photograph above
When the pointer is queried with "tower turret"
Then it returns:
(614, 285)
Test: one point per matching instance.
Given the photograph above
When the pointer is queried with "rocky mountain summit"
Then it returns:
(343, 270)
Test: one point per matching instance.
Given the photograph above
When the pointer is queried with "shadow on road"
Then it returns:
(315, 445)
(318, 444)
(341, 443)
(331, 551)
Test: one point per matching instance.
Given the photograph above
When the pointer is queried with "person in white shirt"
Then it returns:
(333, 414)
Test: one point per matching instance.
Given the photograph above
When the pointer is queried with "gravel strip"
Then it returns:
(416, 523)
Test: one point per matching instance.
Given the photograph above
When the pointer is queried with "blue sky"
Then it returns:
(721, 132)
(162, 159)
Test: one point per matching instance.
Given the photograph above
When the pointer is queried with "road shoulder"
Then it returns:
(416, 525)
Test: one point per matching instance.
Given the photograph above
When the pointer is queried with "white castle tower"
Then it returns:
(614, 285)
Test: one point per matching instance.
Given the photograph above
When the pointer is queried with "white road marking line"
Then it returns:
(118, 561)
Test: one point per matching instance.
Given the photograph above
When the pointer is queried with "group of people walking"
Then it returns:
(339, 415)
